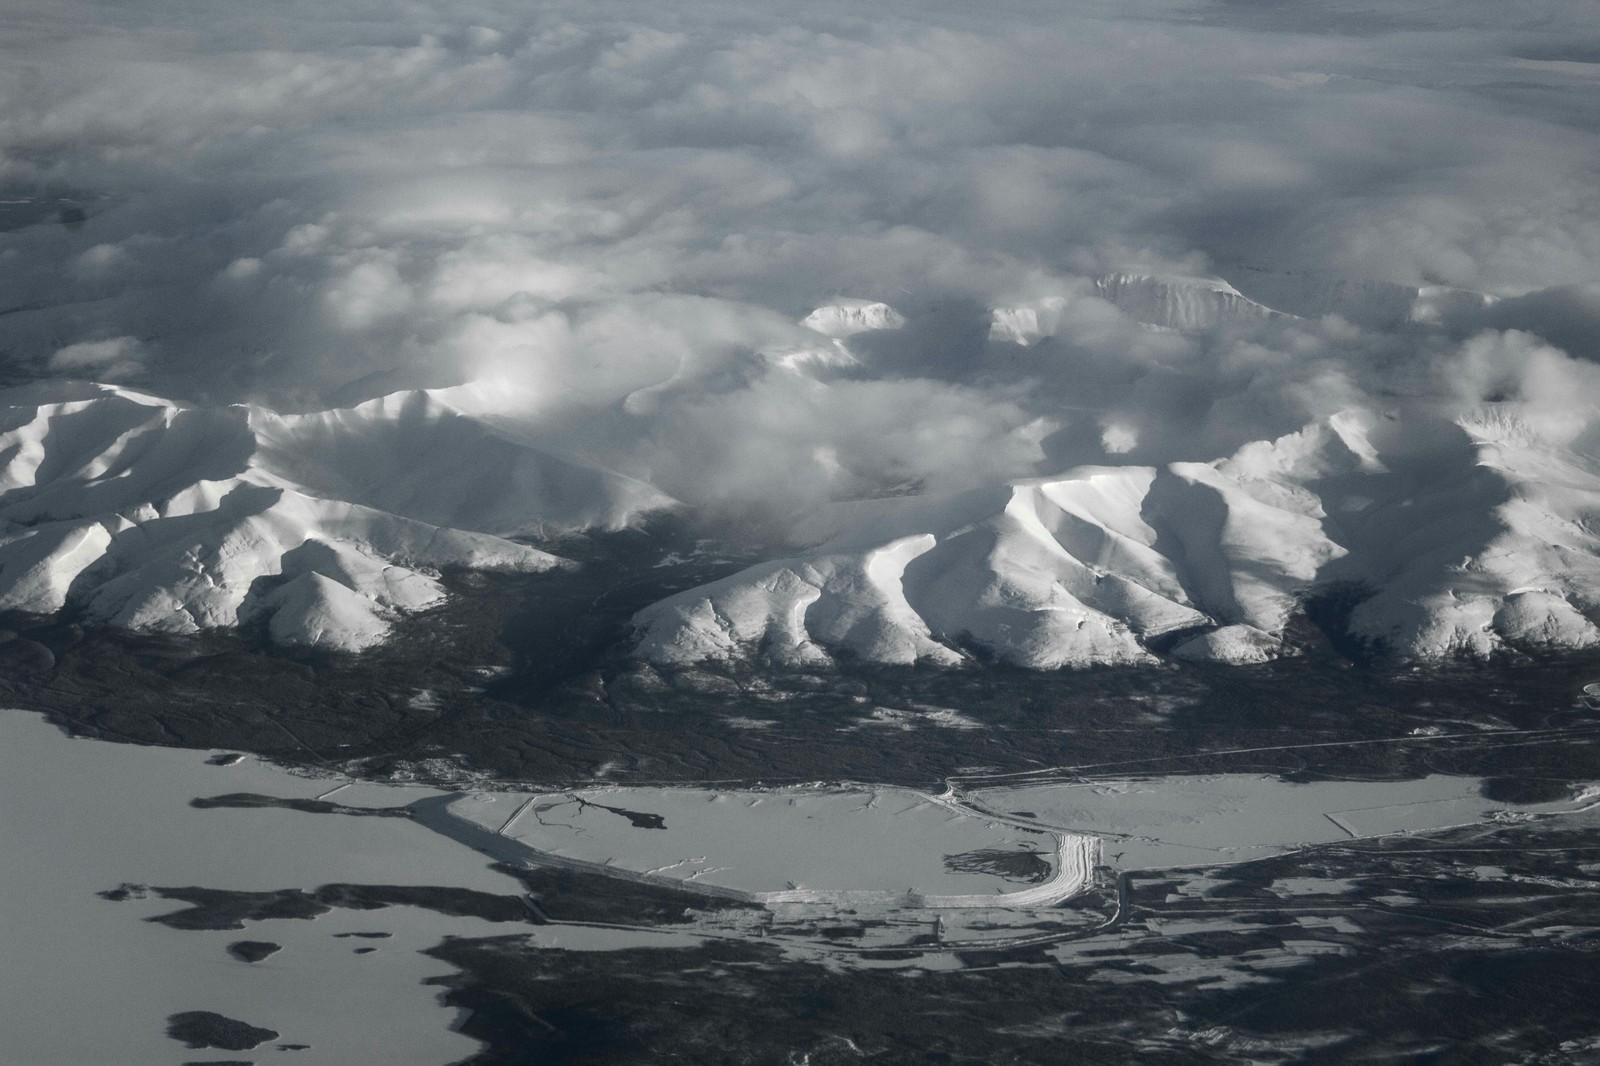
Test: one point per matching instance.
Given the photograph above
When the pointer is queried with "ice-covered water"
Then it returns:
(1178, 821)
(828, 840)
(85, 981)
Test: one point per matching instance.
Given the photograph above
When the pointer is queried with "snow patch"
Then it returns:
(846, 317)
(1234, 644)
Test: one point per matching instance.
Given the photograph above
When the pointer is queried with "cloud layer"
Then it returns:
(617, 213)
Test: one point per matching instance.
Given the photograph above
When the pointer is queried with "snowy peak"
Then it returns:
(415, 454)
(1181, 303)
(844, 318)
(1492, 552)
(325, 527)
(1026, 324)
(1186, 303)
(1470, 534)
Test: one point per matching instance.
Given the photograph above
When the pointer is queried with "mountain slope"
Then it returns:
(1469, 536)
(1070, 571)
(1494, 550)
(417, 454)
(1181, 303)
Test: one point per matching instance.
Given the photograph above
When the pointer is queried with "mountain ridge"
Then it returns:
(1094, 566)
(144, 514)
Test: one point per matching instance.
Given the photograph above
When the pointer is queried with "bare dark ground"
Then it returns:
(253, 950)
(204, 1029)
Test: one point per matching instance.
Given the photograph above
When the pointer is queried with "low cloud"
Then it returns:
(113, 359)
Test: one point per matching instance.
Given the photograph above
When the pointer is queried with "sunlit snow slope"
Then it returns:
(325, 527)
(1468, 536)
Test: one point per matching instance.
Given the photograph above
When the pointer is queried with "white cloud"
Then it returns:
(616, 207)
(112, 359)
(1119, 439)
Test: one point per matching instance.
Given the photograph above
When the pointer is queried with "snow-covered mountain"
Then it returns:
(1489, 546)
(1195, 304)
(436, 456)
(1373, 304)
(1158, 301)
(846, 317)
(1028, 323)
(1182, 303)
(151, 516)
(1473, 535)
(1470, 535)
